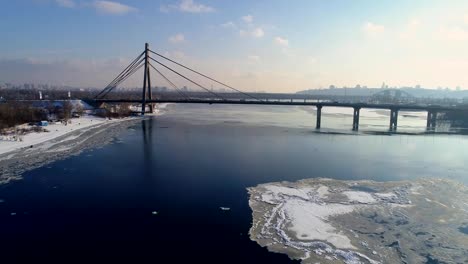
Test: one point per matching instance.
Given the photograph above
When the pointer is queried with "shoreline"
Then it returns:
(14, 163)
(39, 149)
(54, 131)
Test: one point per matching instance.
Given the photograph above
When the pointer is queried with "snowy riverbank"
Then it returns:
(54, 131)
(37, 149)
(57, 146)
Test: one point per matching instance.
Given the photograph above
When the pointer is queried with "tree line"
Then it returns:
(14, 113)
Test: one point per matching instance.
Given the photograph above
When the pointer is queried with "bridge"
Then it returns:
(147, 60)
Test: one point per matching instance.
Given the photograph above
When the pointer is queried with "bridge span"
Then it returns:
(148, 59)
(432, 111)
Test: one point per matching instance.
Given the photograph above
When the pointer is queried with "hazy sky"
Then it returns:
(254, 45)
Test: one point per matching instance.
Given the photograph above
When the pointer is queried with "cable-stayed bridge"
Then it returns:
(150, 61)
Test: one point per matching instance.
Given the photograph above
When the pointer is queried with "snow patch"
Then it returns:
(360, 197)
(309, 221)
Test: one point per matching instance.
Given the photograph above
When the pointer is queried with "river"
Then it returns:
(155, 193)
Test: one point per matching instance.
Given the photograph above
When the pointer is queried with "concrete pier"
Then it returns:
(393, 119)
(356, 118)
(319, 116)
(431, 119)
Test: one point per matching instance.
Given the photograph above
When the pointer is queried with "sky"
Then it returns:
(263, 45)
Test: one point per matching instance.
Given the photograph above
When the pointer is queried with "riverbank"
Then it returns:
(52, 131)
(39, 149)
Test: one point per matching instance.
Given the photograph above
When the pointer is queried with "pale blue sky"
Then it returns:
(254, 45)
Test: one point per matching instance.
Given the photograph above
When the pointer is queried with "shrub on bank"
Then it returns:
(15, 113)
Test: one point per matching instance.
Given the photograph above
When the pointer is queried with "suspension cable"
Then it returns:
(130, 72)
(199, 73)
(128, 75)
(123, 72)
(118, 80)
(126, 70)
(123, 78)
(204, 88)
(171, 83)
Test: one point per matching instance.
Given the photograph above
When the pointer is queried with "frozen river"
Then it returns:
(156, 191)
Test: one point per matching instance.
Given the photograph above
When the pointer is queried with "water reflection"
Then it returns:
(147, 131)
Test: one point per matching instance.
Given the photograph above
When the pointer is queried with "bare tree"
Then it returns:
(79, 109)
(67, 110)
(15, 113)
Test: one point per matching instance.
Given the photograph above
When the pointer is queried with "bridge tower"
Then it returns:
(146, 84)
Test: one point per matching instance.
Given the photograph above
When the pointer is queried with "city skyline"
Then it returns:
(270, 46)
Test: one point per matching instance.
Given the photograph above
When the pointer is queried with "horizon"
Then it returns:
(252, 46)
(48, 86)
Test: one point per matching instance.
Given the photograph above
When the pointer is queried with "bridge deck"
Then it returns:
(293, 103)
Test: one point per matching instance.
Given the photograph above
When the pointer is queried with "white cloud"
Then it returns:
(373, 29)
(177, 38)
(414, 23)
(66, 3)
(455, 33)
(192, 7)
(175, 54)
(311, 60)
(256, 32)
(253, 58)
(164, 8)
(248, 19)
(411, 31)
(113, 8)
(229, 24)
(188, 6)
(282, 41)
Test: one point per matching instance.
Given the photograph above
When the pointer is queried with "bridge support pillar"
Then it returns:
(393, 119)
(146, 84)
(356, 118)
(150, 96)
(431, 119)
(319, 116)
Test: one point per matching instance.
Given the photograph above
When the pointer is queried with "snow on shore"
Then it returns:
(58, 129)
(55, 130)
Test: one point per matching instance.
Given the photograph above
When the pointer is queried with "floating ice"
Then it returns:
(360, 197)
(324, 220)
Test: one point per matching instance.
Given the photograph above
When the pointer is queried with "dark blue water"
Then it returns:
(97, 207)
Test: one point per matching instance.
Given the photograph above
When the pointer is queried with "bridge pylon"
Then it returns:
(147, 94)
